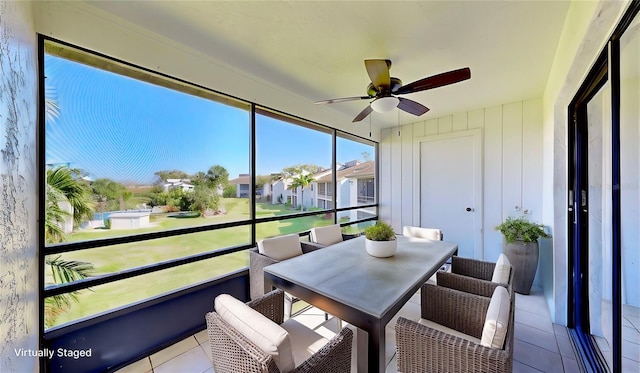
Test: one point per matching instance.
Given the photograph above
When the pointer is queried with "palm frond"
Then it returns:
(64, 271)
(76, 192)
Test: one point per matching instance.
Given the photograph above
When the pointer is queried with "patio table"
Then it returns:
(363, 290)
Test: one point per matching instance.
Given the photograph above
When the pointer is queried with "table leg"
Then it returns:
(376, 358)
(362, 345)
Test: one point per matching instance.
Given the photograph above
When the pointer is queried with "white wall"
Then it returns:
(512, 164)
(587, 28)
(18, 188)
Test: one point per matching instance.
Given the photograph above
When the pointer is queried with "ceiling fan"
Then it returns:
(383, 89)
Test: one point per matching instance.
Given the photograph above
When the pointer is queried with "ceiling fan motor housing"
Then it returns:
(395, 84)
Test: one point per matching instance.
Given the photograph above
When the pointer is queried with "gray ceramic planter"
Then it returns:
(524, 260)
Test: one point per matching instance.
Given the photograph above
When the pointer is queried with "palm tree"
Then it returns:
(63, 188)
(217, 175)
(302, 180)
(63, 271)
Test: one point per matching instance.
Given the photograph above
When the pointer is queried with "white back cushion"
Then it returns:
(326, 235)
(419, 232)
(497, 320)
(280, 248)
(502, 270)
(305, 341)
(269, 336)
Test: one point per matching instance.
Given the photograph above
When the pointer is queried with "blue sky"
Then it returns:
(124, 129)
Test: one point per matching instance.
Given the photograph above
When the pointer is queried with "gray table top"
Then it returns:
(346, 273)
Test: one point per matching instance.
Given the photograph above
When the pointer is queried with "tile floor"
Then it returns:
(539, 346)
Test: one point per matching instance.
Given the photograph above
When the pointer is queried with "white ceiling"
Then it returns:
(315, 49)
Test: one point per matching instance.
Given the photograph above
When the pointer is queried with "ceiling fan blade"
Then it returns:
(412, 107)
(343, 99)
(363, 114)
(435, 81)
(378, 71)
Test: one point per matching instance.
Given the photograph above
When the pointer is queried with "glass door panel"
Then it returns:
(630, 193)
(598, 214)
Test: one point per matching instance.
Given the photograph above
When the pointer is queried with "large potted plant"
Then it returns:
(520, 245)
(380, 240)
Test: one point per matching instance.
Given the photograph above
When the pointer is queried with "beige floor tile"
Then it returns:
(202, 336)
(193, 361)
(311, 318)
(536, 337)
(415, 298)
(534, 320)
(560, 330)
(566, 347)
(392, 367)
(518, 367)
(207, 350)
(172, 351)
(537, 357)
(534, 303)
(570, 365)
(139, 366)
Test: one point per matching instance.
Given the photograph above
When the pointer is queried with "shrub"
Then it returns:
(381, 231)
(520, 228)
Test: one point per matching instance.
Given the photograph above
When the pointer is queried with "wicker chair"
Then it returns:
(472, 276)
(421, 348)
(231, 351)
(320, 237)
(258, 261)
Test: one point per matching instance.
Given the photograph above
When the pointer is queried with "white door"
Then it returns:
(451, 189)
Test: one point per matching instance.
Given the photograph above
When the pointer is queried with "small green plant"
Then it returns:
(521, 229)
(381, 231)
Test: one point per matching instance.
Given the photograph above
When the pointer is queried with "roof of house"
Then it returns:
(242, 179)
(362, 170)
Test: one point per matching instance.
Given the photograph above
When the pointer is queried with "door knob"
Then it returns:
(469, 209)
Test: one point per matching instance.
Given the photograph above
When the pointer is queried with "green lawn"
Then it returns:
(120, 257)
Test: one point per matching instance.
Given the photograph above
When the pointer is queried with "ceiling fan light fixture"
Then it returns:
(385, 104)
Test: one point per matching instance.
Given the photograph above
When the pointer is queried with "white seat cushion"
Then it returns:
(269, 336)
(419, 232)
(304, 341)
(328, 235)
(448, 330)
(502, 270)
(281, 247)
(497, 321)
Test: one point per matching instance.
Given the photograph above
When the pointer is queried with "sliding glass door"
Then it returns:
(604, 206)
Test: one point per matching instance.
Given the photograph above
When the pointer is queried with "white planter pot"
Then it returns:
(381, 249)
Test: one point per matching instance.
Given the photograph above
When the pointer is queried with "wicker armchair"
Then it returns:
(258, 261)
(472, 276)
(421, 348)
(231, 351)
(320, 237)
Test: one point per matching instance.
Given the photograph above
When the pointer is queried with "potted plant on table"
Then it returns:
(380, 240)
(521, 248)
